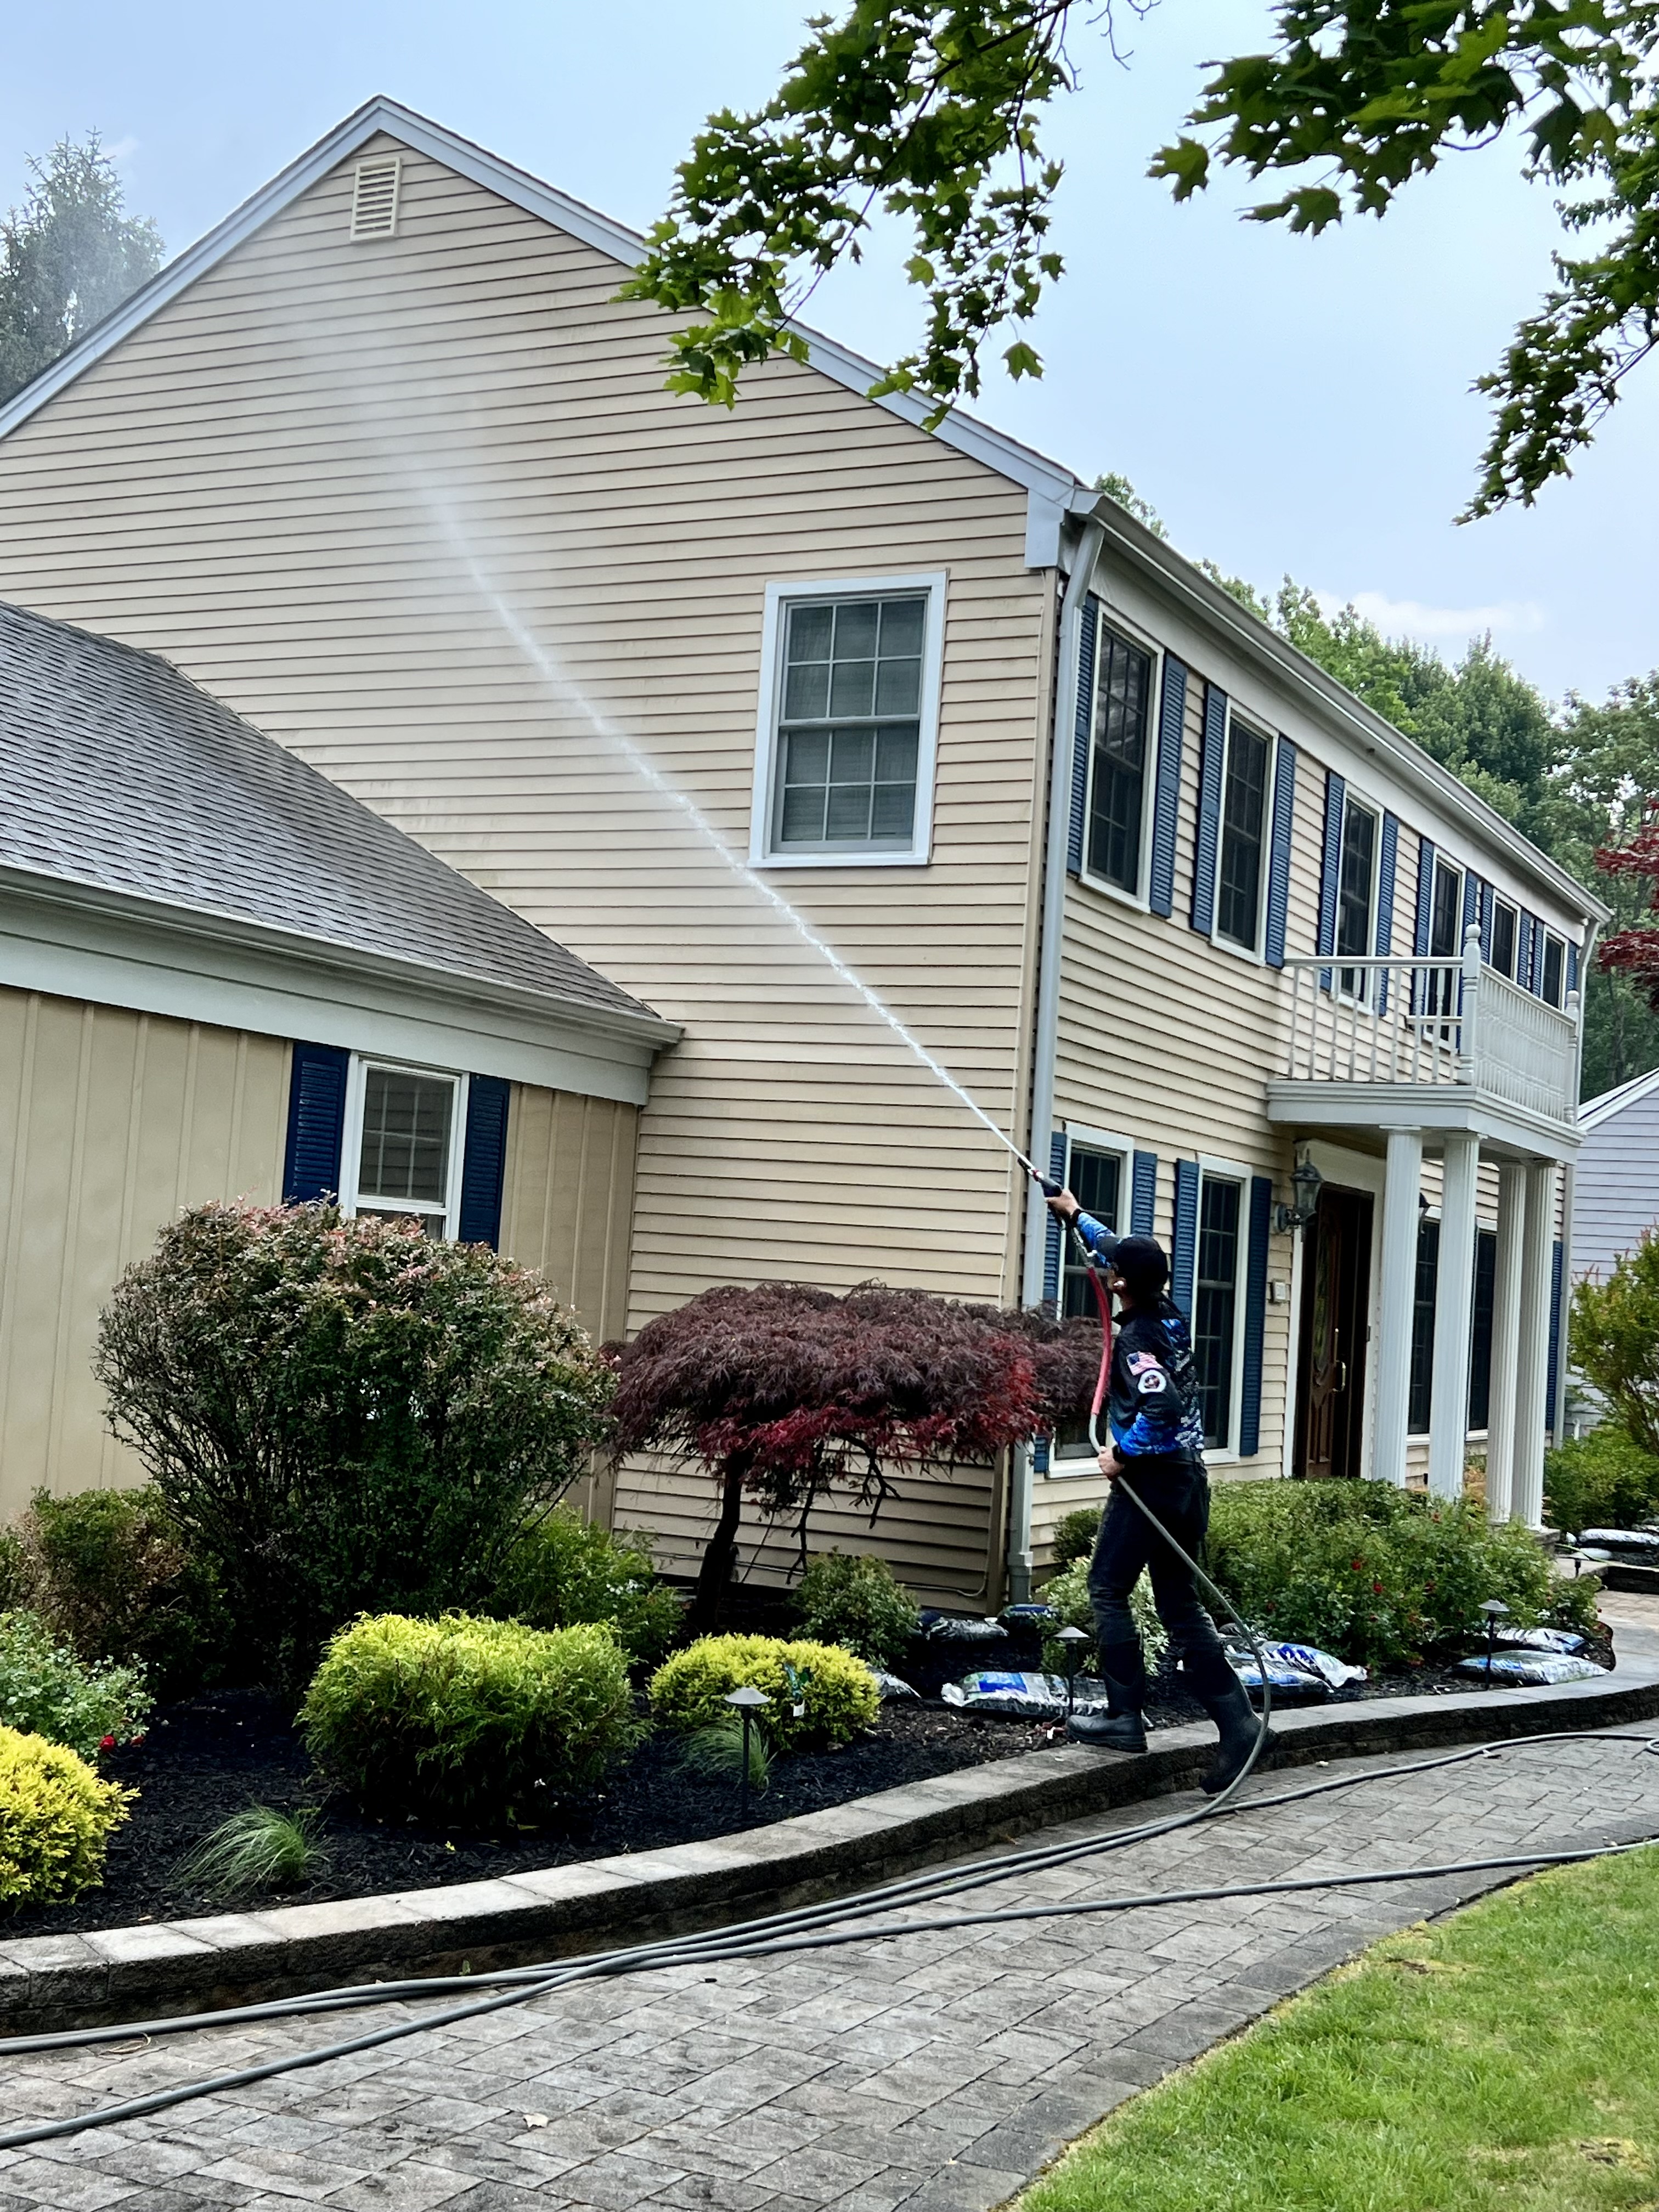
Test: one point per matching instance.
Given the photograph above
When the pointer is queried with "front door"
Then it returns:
(1335, 1294)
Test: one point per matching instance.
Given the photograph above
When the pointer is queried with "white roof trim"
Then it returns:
(1595, 1111)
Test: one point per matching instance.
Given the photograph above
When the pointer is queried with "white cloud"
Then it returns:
(121, 148)
(1431, 625)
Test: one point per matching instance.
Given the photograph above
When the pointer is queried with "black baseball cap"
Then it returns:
(1141, 1261)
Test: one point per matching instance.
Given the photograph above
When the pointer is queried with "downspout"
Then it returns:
(1047, 1007)
(1555, 1415)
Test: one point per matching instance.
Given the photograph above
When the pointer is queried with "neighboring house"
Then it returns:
(221, 976)
(383, 463)
(1615, 1188)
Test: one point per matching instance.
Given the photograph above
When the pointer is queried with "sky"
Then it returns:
(1291, 406)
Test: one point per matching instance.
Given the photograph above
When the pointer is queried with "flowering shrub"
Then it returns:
(1381, 1577)
(55, 1820)
(344, 1416)
(467, 1719)
(46, 1690)
(856, 1602)
(837, 1691)
(565, 1570)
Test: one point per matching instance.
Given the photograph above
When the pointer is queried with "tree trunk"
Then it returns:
(714, 1575)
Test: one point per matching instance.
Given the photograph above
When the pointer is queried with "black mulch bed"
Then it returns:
(210, 1756)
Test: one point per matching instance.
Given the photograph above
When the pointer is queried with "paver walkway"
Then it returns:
(935, 2072)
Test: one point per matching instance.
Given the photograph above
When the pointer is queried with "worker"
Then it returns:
(1157, 1417)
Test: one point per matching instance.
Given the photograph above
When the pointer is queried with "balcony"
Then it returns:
(1433, 1045)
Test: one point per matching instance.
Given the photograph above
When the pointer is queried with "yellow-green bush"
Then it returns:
(55, 1820)
(464, 1718)
(838, 1690)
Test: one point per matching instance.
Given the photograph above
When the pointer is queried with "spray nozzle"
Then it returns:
(1047, 1185)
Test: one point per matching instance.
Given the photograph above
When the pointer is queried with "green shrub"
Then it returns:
(1075, 1533)
(1603, 1480)
(46, 1690)
(838, 1690)
(258, 1848)
(1377, 1574)
(56, 1819)
(1068, 1594)
(109, 1575)
(345, 1416)
(565, 1570)
(1613, 1331)
(464, 1718)
(856, 1602)
(14, 1579)
(715, 1753)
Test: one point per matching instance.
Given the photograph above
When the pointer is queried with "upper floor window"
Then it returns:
(1445, 938)
(402, 1154)
(1239, 873)
(1555, 967)
(849, 718)
(1506, 920)
(1356, 894)
(1120, 759)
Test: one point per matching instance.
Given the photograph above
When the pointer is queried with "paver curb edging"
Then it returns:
(116, 1973)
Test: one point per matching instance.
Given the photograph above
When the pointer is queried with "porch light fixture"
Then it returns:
(1495, 1610)
(1305, 1181)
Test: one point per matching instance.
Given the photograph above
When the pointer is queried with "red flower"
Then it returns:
(106, 1743)
(1376, 1589)
(1359, 1566)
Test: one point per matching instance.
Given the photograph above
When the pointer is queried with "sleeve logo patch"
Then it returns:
(1140, 1361)
(1151, 1382)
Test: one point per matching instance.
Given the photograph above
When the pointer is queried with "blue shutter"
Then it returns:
(316, 1123)
(1256, 1315)
(1330, 868)
(484, 1162)
(1572, 967)
(1424, 910)
(1183, 1254)
(1088, 631)
(1209, 809)
(1471, 902)
(1555, 1339)
(1143, 1200)
(1054, 1237)
(1488, 904)
(1388, 867)
(1166, 796)
(1523, 950)
(1278, 867)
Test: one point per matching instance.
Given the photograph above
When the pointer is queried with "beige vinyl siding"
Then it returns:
(110, 1123)
(302, 481)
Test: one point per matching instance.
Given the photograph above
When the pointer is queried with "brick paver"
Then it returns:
(936, 2072)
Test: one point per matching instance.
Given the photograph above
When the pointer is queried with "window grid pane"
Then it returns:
(1354, 895)
(1244, 803)
(1096, 1181)
(1552, 970)
(850, 730)
(1117, 784)
(1215, 1306)
(406, 1135)
(1445, 939)
(1502, 939)
(1420, 1400)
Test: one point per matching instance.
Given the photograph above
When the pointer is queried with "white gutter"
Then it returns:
(1040, 1125)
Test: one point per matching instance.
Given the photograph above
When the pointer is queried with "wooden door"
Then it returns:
(1335, 1296)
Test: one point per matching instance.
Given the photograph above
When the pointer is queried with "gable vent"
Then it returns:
(374, 197)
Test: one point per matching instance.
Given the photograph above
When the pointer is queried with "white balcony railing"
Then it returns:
(1418, 1021)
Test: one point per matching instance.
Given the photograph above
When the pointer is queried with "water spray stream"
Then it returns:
(564, 687)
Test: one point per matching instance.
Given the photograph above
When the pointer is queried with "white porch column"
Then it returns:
(1453, 1311)
(1532, 1363)
(1505, 1340)
(1394, 1332)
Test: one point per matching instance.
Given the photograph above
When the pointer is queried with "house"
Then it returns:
(221, 976)
(383, 464)
(1616, 1190)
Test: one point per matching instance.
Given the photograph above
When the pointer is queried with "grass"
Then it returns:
(257, 1849)
(1504, 2061)
(715, 1753)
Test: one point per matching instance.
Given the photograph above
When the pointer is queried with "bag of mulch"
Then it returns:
(959, 1628)
(1639, 1543)
(890, 1686)
(1038, 1617)
(1530, 1668)
(1561, 1641)
(1024, 1696)
(1296, 1669)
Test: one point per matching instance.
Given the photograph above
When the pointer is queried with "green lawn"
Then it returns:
(1506, 2061)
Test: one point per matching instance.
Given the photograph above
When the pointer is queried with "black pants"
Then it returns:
(1178, 1491)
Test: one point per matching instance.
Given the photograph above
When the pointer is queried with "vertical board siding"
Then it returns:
(110, 1123)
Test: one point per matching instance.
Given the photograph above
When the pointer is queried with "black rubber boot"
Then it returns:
(1120, 1728)
(1237, 1725)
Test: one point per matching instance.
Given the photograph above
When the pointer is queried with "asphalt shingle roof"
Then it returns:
(117, 772)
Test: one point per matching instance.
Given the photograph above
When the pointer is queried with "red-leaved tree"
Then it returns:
(1635, 953)
(784, 1393)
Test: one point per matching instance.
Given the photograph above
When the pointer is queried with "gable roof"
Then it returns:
(1595, 1111)
(120, 775)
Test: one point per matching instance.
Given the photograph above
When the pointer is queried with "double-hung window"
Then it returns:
(1445, 937)
(1506, 920)
(1356, 896)
(849, 699)
(1555, 969)
(1120, 762)
(402, 1153)
(1096, 1176)
(1241, 870)
(1218, 1305)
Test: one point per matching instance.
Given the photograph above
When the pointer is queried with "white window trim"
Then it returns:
(1451, 868)
(351, 1141)
(778, 599)
(1123, 1149)
(1254, 954)
(1140, 898)
(1497, 900)
(1220, 1170)
(1365, 806)
(1552, 937)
